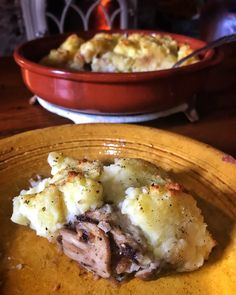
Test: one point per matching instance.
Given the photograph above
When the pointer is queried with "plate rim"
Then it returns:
(229, 169)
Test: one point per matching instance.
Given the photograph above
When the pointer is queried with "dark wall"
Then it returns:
(11, 26)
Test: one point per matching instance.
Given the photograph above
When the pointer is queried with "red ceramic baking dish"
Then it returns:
(112, 93)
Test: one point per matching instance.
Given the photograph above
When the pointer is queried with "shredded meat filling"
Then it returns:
(89, 246)
(101, 246)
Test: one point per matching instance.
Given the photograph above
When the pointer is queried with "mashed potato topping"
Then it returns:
(161, 210)
(44, 212)
(172, 224)
(104, 52)
(124, 173)
(71, 191)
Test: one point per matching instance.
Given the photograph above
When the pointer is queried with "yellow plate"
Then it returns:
(31, 265)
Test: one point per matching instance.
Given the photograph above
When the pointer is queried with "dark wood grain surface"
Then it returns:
(216, 107)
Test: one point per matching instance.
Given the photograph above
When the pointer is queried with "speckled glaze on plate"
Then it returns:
(31, 265)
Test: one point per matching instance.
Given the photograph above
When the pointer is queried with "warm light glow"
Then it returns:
(105, 2)
(102, 24)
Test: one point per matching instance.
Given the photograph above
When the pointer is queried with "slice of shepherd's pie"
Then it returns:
(126, 218)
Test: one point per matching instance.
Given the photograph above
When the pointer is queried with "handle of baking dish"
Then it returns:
(224, 52)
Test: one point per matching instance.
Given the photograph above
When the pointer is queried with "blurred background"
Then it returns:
(206, 20)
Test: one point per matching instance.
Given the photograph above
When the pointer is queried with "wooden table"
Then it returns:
(217, 109)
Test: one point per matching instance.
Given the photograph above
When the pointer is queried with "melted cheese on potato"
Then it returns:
(104, 52)
(44, 211)
(111, 62)
(80, 194)
(98, 45)
(71, 191)
(172, 224)
(63, 55)
(185, 50)
(59, 162)
(125, 173)
(72, 44)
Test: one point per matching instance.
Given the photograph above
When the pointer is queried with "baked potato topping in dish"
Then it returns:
(136, 52)
(116, 220)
